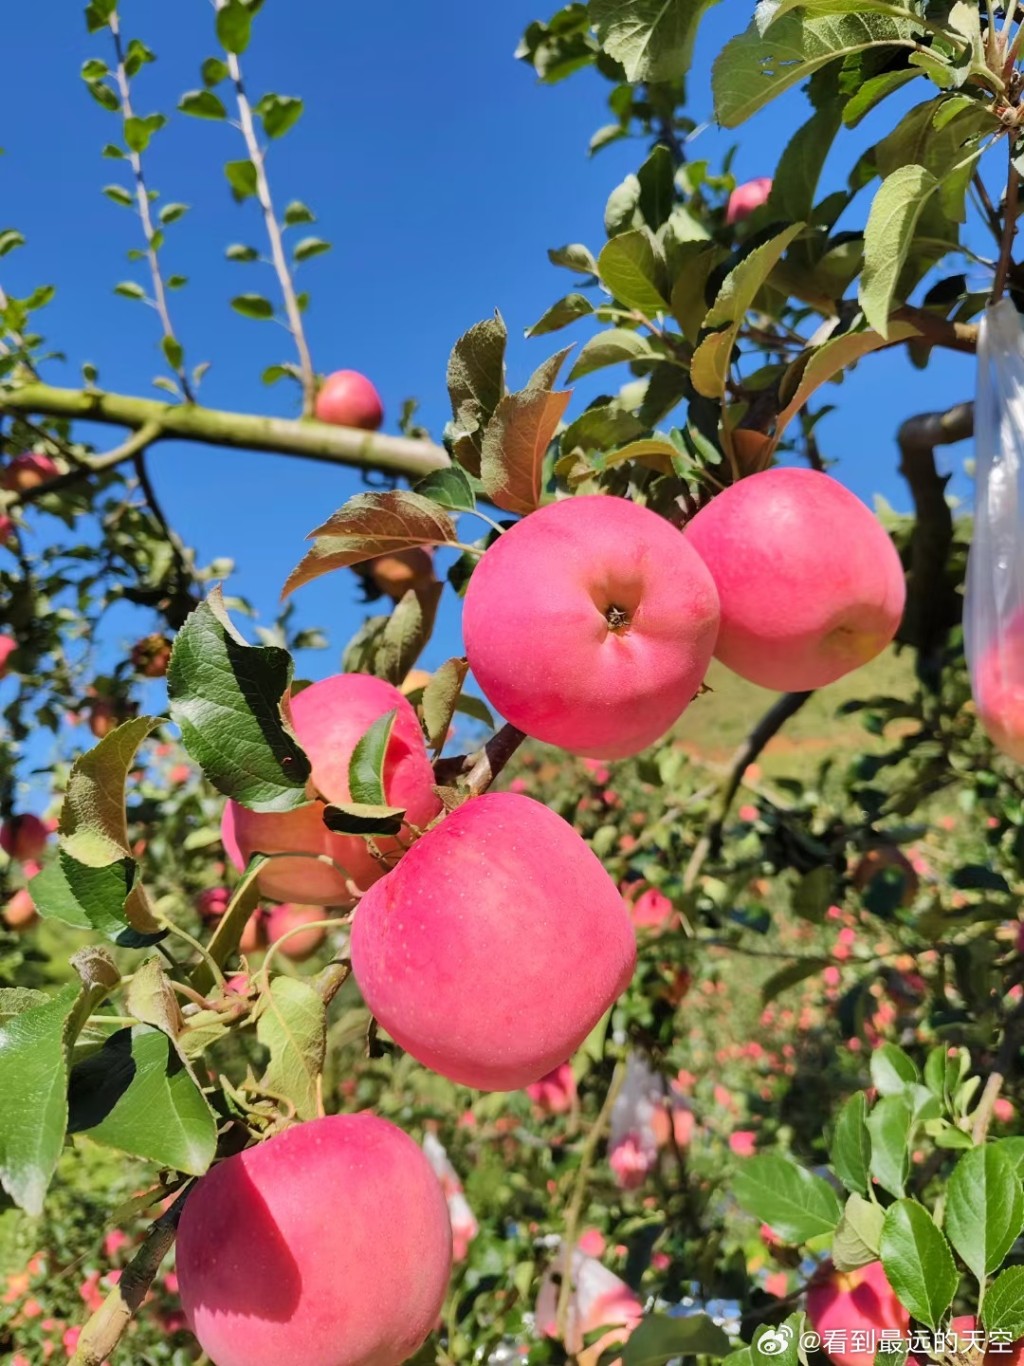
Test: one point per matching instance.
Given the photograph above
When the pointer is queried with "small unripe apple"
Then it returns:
(348, 399)
(852, 1305)
(151, 655)
(8, 645)
(19, 912)
(24, 837)
(495, 946)
(395, 574)
(329, 719)
(329, 1245)
(590, 625)
(28, 471)
(746, 198)
(810, 585)
(282, 920)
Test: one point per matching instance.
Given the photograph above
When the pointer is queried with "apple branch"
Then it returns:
(172, 347)
(273, 228)
(307, 440)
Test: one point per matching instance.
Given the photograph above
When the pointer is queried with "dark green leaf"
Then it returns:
(366, 767)
(658, 1338)
(984, 1208)
(794, 1202)
(918, 1263)
(202, 104)
(850, 1153)
(253, 306)
(279, 114)
(234, 25)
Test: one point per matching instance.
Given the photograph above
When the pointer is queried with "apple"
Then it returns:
(845, 1303)
(151, 655)
(998, 685)
(8, 645)
(104, 716)
(328, 1244)
(281, 920)
(8, 531)
(590, 625)
(330, 718)
(395, 574)
(212, 903)
(24, 837)
(19, 912)
(653, 911)
(495, 946)
(810, 585)
(554, 1093)
(348, 399)
(28, 471)
(746, 198)
(887, 861)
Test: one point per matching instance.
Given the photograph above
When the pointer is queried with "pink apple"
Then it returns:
(746, 198)
(28, 471)
(849, 1303)
(19, 912)
(495, 946)
(555, 1093)
(998, 684)
(810, 585)
(348, 399)
(24, 837)
(282, 920)
(8, 645)
(8, 531)
(590, 625)
(652, 910)
(328, 1245)
(213, 902)
(330, 718)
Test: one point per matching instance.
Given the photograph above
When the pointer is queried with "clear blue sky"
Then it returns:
(440, 170)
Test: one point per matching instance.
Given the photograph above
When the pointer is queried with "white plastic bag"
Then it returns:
(994, 606)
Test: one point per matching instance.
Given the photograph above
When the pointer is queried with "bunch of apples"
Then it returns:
(489, 943)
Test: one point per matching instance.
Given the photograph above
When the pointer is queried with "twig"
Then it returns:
(108, 1324)
(493, 758)
(1005, 1059)
(1009, 231)
(991, 215)
(145, 216)
(236, 431)
(130, 449)
(769, 725)
(273, 228)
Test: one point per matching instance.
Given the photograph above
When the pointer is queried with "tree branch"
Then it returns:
(493, 758)
(237, 431)
(940, 331)
(769, 725)
(933, 605)
(130, 449)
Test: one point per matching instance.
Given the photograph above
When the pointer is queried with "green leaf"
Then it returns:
(93, 826)
(814, 893)
(310, 247)
(769, 11)
(354, 818)
(136, 1095)
(753, 69)
(297, 212)
(293, 1026)
(888, 237)
(33, 1083)
(984, 1208)
(238, 251)
(476, 367)
(574, 256)
(628, 268)
(119, 195)
(170, 213)
(227, 936)
(889, 1124)
(16, 1000)
(202, 104)
(858, 1237)
(407, 632)
(242, 177)
(892, 1070)
(514, 445)
(253, 306)
(800, 166)
(53, 897)
(9, 239)
(794, 1202)
(173, 351)
(234, 26)
(850, 1153)
(1003, 1309)
(112, 900)
(657, 187)
(449, 488)
(372, 524)
(653, 39)
(918, 1263)
(228, 699)
(561, 314)
(658, 1338)
(279, 113)
(214, 71)
(874, 91)
(150, 998)
(104, 96)
(791, 975)
(366, 767)
(611, 347)
(440, 699)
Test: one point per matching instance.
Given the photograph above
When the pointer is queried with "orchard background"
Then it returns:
(801, 1115)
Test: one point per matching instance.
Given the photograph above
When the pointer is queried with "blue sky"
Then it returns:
(441, 172)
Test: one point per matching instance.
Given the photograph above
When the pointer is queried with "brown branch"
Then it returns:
(493, 758)
(769, 725)
(109, 1323)
(939, 331)
(1009, 230)
(933, 605)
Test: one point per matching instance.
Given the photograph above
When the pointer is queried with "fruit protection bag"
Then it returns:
(994, 605)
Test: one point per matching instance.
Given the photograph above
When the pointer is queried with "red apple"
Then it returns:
(810, 585)
(348, 399)
(395, 574)
(998, 683)
(28, 471)
(495, 946)
(8, 645)
(151, 655)
(328, 1245)
(590, 625)
(849, 1303)
(746, 198)
(8, 531)
(19, 912)
(330, 718)
(281, 920)
(24, 837)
